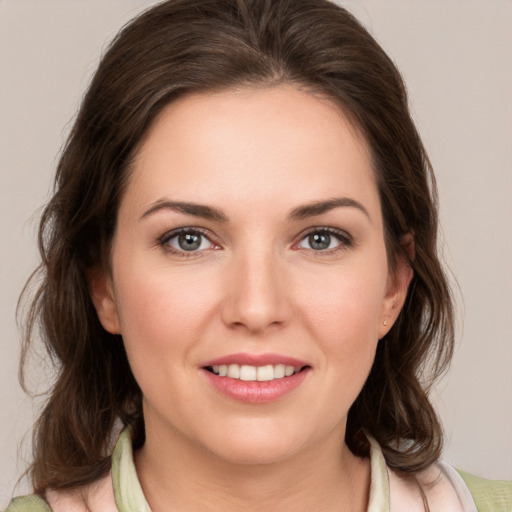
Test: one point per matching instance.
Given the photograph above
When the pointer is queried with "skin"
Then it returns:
(255, 285)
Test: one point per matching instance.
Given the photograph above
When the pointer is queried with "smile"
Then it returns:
(250, 373)
(255, 379)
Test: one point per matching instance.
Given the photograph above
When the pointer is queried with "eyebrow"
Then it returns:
(299, 213)
(320, 207)
(197, 210)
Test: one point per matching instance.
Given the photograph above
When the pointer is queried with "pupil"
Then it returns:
(189, 241)
(319, 241)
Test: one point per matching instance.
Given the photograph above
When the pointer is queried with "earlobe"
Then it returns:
(103, 298)
(398, 286)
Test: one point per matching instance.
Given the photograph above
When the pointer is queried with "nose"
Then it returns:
(256, 294)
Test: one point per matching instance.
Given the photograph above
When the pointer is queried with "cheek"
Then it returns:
(140, 307)
(345, 303)
(162, 318)
(158, 306)
(342, 312)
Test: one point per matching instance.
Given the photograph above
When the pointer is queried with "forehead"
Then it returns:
(253, 143)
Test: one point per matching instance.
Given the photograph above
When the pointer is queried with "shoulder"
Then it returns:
(492, 495)
(28, 504)
(96, 497)
(445, 488)
(435, 485)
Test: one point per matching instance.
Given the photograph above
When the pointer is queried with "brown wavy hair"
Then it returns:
(184, 46)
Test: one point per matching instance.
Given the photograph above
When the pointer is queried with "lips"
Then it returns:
(255, 378)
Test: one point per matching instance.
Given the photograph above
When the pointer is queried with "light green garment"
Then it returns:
(28, 504)
(489, 496)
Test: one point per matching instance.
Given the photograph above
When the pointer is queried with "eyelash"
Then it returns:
(164, 240)
(345, 240)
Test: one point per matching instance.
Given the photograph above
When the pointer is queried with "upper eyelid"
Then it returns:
(186, 229)
(319, 229)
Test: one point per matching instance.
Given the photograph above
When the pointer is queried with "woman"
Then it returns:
(240, 273)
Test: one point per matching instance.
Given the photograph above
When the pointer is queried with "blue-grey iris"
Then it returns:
(189, 241)
(319, 241)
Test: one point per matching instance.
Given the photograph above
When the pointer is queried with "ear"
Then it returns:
(103, 298)
(397, 286)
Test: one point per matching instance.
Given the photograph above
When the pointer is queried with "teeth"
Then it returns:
(279, 371)
(265, 372)
(234, 371)
(254, 373)
(247, 372)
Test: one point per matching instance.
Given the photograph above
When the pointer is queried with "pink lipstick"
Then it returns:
(255, 378)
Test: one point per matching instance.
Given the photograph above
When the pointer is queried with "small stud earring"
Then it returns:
(385, 322)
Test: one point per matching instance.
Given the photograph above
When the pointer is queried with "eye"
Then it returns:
(325, 240)
(186, 240)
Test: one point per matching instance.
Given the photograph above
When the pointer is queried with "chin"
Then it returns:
(256, 445)
(255, 454)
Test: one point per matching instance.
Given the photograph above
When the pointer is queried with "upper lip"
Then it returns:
(256, 360)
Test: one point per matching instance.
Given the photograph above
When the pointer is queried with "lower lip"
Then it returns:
(256, 392)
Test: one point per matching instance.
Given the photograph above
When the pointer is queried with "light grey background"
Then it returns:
(456, 59)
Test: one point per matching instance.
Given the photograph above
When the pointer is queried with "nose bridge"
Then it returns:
(256, 293)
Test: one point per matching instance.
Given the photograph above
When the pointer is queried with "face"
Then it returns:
(249, 276)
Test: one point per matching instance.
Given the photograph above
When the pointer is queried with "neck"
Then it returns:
(325, 477)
